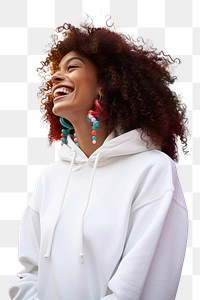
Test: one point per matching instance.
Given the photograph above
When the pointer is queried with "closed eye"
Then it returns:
(72, 67)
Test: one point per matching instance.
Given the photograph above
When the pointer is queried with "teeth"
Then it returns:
(64, 90)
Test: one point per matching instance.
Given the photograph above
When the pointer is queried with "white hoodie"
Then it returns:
(112, 226)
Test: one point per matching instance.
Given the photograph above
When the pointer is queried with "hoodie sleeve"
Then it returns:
(153, 256)
(26, 287)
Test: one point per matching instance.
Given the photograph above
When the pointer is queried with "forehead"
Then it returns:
(69, 55)
(73, 56)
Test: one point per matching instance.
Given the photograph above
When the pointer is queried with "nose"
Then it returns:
(57, 77)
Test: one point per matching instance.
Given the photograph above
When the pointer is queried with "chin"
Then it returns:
(55, 111)
(58, 109)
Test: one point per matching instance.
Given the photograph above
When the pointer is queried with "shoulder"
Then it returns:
(54, 168)
(157, 177)
(157, 156)
(155, 161)
(52, 173)
(156, 171)
(51, 176)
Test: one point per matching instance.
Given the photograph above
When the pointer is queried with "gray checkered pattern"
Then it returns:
(25, 29)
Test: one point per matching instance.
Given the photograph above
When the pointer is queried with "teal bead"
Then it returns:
(88, 119)
(63, 140)
(65, 131)
(96, 124)
(65, 124)
(94, 137)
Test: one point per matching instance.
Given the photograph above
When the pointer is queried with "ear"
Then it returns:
(100, 93)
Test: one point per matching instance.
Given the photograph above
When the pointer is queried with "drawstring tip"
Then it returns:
(81, 254)
(46, 256)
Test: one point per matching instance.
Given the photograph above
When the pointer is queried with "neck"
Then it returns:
(84, 136)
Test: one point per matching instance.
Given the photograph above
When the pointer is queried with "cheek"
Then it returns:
(88, 83)
(92, 80)
(85, 81)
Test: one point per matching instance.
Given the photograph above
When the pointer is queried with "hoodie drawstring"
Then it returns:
(81, 253)
(49, 247)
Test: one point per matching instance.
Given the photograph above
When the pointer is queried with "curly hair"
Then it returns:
(134, 78)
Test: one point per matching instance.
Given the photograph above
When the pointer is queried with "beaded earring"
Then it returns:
(65, 131)
(92, 117)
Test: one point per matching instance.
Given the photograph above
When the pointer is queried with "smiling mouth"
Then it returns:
(62, 92)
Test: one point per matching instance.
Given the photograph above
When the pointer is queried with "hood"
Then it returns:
(130, 143)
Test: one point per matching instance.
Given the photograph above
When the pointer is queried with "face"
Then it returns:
(75, 86)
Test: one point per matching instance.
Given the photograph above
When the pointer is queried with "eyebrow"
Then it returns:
(70, 59)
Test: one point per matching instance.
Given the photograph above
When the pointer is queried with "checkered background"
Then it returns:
(25, 29)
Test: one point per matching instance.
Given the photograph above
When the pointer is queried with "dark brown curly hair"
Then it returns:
(134, 77)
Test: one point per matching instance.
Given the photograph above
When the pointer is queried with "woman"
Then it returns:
(109, 220)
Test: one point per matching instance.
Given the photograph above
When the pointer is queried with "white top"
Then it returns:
(112, 226)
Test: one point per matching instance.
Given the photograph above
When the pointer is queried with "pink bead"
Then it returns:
(75, 140)
(94, 141)
(93, 120)
(90, 116)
